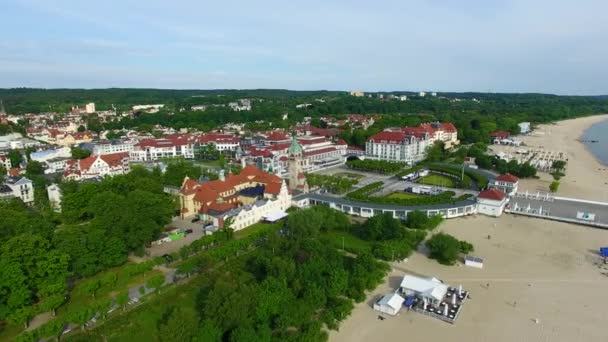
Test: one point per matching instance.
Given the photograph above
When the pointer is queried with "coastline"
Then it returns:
(586, 176)
(551, 269)
(581, 137)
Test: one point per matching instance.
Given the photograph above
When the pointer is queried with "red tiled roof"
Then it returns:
(115, 159)
(311, 141)
(507, 177)
(86, 163)
(492, 194)
(277, 136)
(390, 137)
(449, 127)
(319, 151)
(500, 134)
(162, 142)
(273, 188)
(341, 142)
(219, 138)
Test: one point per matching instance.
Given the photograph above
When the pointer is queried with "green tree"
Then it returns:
(80, 153)
(444, 248)
(177, 325)
(34, 168)
(558, 165)
(554, 186)
(15, 157)
(156, 282)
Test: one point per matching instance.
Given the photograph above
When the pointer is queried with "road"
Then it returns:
(174, 246)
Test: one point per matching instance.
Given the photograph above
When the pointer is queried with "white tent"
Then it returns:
(430, 288)
(275, 216)
(390, 304)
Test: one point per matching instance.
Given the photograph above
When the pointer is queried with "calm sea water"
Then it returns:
(598, 132)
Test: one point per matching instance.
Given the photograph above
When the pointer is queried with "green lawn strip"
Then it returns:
(79, 298)
(403, 195)
(351, 243)
(257, 227)
(439, 180)
(140, 324)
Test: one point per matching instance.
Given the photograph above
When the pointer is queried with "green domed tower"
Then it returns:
(295, 152)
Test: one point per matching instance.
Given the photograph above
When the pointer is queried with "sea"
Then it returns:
(599, 133)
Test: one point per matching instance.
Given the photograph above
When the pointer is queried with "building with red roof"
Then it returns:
(168, 147)
(506, 183)
(246, 198)
(223, 142)
(491, 202)
(397, 146)
(97, 166)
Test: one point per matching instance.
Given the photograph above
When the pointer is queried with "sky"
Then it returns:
(548, 46)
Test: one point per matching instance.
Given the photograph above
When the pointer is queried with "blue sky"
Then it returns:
(552, 46)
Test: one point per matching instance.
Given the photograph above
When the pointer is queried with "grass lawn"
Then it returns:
(440, 180)
(213, 164)
(79, 298)
(403, 195)
(349, 175)
(351, 242)
(141, 324)
(254, 228)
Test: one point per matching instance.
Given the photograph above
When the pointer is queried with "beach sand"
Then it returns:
(546, 267)
(585, 178)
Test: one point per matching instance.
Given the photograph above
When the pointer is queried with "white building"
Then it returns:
(155, 149)
(22, 188)
(524, 127)
(422, 94)
(506, 183)
(390, 304)
(473, 261)
(112, 146)
(491, 202)
(403, 98)
(56, 165)
(222, 142)
(397, 146)
(54, 193)
(90, 108)
(152, 108)
(98, 166)
(260, 210)
(433, 289)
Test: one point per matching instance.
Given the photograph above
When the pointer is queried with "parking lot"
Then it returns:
(174, 246)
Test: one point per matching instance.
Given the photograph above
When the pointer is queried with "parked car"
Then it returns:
(188, 231)
(196, 219)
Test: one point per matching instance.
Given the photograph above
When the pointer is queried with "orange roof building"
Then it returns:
(253, 191)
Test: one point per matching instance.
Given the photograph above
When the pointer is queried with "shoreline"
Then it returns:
(583, 133)
(585, 174)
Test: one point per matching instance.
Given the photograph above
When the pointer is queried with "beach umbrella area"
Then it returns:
(446, 310)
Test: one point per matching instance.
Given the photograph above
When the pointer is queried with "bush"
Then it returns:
(444, 248)
(379, 166)
(419, 220)
(466, 247)
(554, 186)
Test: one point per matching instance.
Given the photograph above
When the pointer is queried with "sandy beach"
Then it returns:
(536, 269)
(585, 178)
(546, 267)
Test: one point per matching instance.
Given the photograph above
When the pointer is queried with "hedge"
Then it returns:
(380, 166)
